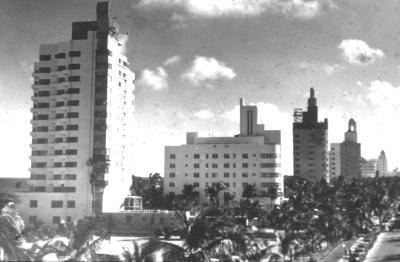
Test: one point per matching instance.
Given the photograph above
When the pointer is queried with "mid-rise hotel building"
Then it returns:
(251, 157)
(83, 105)
(310, 143)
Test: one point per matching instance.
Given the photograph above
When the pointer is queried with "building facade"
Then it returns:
(368, 167)
(350, 153)
(334, 161)
(251, 157)
(83, 107)
(381, 165)
(310, 143)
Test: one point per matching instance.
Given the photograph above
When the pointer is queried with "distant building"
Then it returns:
(310, 143)
(345, 157)
(252, 157)
(13, 185)
(381, 165)
(368, 167)
(83, 105)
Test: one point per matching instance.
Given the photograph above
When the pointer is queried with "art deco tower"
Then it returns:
(83, 107)
(310, 143)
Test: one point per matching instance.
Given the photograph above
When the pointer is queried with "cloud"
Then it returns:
(206, 70)
(174, 60)
(303, 9)
(156, 80)
(384, 94)
(329, 69)
(358, 52)
(204, 114)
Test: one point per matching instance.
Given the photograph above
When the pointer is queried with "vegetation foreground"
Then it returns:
(314, 217)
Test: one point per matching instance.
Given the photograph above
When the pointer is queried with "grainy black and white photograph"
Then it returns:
(200, 130)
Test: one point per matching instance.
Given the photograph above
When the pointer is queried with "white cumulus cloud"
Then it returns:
(206, 70)
(213, 8)
(204, 114)
(173, 60)
(359, 53)
(156, 80)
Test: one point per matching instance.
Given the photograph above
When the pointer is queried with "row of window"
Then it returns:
(60, 55)
(69, 91)
(59, 189)
(69, 139)
(57, 128)
(227, 175)
(56, 219)
(59, 68)
(227, 156)
(54, 204)
(227, 165)
(59, 80)
(55, 164)
(57, 116)
(58, 104)
(54, 177)
(227, 184)
(57, 152)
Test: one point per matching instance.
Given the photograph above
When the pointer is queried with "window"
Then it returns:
(74, 66)
(44, 81)
(71, 152)
(70, 189)
(58, 116)
(39, 164)
(74, 53)
(61, 67)
(72, 140)
(214, 175)
(57, 164)
(226, 165)
(70, 177)
(44, 69)
(245, 165)
(56, 204)
(43, 93)
(196, 165)
(72, 127)
(72, 114)
(56, 220)
(265, 155)
(39, 189)
(71, 164)
(58, 152)
(43, 105)
(58, 140)
(38, 176)
(39, 152)
(269, 175)
(268, 165)
(74, 78)
(172, 156)
(172, 165)
(59, 128)
(33, 203)
(215, 156)
(245, 174)
(42, 117)
(60, 103)
(172, 175)
(196, 156)
(60, 55)
(44, 57)
(196, 184)
(172, 184)
(73, 103)
(73, 90)
(70, 204)
(226, 174)
(60, 79)
(214, 165)
(42, 129)
(39, 141)
(196, 175)
(206, 156)
(245, 155)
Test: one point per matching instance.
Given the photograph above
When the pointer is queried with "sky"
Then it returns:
(194, 59)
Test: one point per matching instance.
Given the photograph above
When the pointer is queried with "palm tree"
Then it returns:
(213, 193)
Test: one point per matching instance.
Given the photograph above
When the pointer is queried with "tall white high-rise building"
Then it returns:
(251, 157)
(381, 164)
(83, 106)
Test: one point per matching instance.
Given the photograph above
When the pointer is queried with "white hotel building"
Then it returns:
(252, 157)
(83, 107)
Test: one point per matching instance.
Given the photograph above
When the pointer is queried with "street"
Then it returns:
(386, 248)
